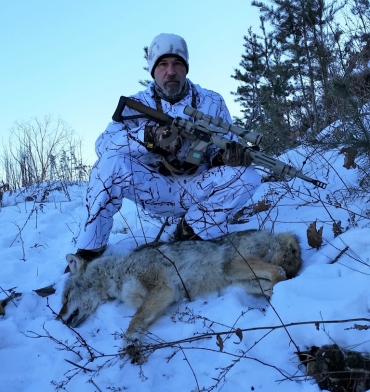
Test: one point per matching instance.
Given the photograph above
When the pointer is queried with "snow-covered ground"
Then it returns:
(39, 353)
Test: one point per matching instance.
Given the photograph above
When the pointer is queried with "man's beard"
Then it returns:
(172, 89)
(174, 92)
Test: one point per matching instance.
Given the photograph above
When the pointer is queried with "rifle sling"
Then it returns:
(184, 170)
(173, 170)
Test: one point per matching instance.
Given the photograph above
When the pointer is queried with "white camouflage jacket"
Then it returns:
(128, 137)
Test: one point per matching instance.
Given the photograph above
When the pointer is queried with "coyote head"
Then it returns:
(78, 302)
(79, 298)
(286, 252)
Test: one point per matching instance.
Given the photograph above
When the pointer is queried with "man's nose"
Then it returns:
(171, 69)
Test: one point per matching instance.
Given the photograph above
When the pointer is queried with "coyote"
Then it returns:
(153, 276)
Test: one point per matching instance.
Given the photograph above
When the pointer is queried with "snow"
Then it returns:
(40, 353)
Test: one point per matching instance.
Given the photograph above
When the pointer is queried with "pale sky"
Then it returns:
(74, 59)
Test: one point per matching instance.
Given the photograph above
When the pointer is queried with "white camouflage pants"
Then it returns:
(205, 198)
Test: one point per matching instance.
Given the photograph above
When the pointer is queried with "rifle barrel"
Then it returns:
(276, 166)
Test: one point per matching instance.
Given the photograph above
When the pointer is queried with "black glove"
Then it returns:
(235, 155)
(153, 134)
(158, 136)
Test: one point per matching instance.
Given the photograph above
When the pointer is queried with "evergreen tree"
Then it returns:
(294, 59)
(306, 70)
(145, 82)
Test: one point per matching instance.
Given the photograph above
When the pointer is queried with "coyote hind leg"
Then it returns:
(254, 274)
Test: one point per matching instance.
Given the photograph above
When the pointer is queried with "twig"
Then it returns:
(178, 273)
(165, 223)
(191, 368)
(208, 335)
(79, 337)
(6, 300)
(21, 229)
(64, 345)
(243, 355)
(10, 297)
(20, 237)
(80, 367)
(93, 383)
(340, 255)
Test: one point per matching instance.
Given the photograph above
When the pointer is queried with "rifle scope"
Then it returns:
(249, 136)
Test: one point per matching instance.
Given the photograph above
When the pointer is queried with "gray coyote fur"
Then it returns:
(153, 276)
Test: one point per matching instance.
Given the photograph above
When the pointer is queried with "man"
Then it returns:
(131, 165)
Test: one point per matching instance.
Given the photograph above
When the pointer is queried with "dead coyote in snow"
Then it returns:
(153, 276)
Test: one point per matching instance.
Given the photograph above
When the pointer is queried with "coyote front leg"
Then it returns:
(257, 276)
(154, 305)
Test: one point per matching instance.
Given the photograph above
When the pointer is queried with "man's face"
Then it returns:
(170, 75)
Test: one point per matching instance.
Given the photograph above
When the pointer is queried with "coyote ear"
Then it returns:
(76, 265)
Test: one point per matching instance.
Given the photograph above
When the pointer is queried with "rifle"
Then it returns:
(204, 131)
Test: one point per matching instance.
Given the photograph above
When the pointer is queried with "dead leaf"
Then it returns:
(220, 342)
(349, 157)
(6, 300)
(45, 291)
(337, 228)
(314, 236)
(261, 206)
(361, 327)
(239, 334)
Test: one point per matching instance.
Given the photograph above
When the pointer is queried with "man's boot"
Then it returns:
(184, 232)
(88, 255)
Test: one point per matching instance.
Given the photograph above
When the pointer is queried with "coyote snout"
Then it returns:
(151, 278)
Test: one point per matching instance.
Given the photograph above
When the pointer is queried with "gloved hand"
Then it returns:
(153, 134)
(164, 137)
(234, 155)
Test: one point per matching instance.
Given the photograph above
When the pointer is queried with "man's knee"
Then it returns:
(247, 175)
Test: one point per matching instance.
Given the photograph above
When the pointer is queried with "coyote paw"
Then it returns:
(135, 352)
(281, 274)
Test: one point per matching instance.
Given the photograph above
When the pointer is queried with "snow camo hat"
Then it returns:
(167, 44)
